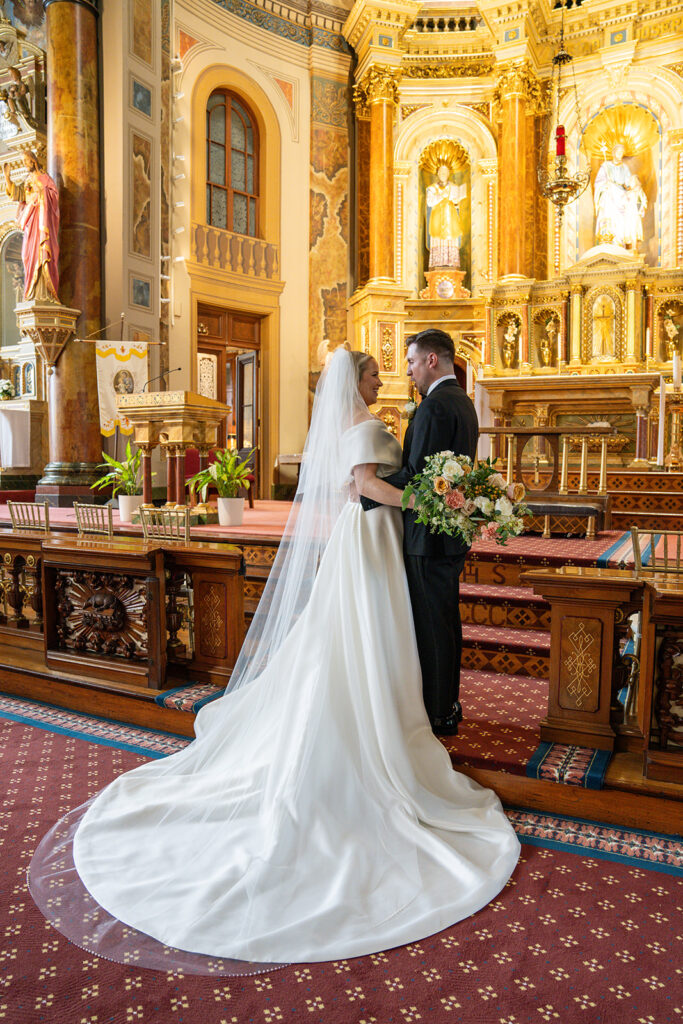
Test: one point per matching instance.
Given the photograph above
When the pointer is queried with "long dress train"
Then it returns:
(334, 825)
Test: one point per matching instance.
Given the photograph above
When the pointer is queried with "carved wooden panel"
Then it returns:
(101, 613)
(211, 603)
(580, 651)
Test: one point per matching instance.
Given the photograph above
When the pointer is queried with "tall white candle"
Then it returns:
(662, 422)
(470, 379)
(677, 369)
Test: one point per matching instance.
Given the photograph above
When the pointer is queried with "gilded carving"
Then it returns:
(461, 68)
(517, 78)
(387, 345)
(380, 85)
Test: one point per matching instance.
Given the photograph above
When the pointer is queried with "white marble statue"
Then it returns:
(620, 203)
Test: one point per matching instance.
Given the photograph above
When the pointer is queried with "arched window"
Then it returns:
(232, 164)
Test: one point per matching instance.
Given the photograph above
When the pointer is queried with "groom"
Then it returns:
(444, 420)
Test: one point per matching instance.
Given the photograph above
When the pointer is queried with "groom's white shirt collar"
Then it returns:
(435, 384)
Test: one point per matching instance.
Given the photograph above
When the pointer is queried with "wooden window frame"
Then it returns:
(228, 96)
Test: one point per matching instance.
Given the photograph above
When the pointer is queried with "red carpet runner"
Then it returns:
(576, 936)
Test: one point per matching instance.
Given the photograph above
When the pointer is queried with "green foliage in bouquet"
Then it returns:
(227, 473)
(455, 498)
(123, 476)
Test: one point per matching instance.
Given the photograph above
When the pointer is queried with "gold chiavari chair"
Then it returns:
(94, 520)
(30, 515)
(169, 524)
(668, 559)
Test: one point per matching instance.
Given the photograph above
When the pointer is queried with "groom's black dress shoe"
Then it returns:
(448, 726)
(445, 726)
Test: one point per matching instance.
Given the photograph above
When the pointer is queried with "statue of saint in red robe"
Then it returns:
(38, 218)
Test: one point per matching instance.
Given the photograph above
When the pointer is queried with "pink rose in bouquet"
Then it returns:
(455, 499)
(489, 531)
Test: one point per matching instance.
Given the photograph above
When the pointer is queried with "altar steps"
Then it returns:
(648, 520)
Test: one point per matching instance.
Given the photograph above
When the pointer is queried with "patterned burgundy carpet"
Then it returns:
(588, 930)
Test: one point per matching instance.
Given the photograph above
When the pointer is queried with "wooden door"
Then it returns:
(233, 339)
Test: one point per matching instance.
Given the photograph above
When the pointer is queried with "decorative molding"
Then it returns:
(461, 67)
(308, 29)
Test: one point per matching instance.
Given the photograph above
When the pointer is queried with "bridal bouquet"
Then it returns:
(453, 497)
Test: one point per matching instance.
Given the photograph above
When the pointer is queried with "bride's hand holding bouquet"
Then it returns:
(451, 496)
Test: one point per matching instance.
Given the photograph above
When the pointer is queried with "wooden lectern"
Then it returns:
(176, 421)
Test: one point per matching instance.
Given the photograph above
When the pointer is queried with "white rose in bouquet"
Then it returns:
(484, 504)
(504, 506)
(499, 481)
(452, 470)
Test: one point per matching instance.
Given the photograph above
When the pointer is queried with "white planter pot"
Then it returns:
(128, 505)
(230, 511)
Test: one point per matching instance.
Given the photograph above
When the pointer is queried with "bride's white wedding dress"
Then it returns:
(328, 825)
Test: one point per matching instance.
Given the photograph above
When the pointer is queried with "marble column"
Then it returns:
(380, 90)
(75, 444)
(512, 172)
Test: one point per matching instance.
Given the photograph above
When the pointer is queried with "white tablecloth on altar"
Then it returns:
(15, 438)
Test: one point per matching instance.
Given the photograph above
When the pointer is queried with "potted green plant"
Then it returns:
(124, 480)
(227, 473)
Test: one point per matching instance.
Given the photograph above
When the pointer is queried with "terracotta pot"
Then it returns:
(230, 511)
(128, 505)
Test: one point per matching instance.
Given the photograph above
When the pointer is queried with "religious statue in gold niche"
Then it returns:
(548, 342)
(671, 331)
(443, 220)
(620, 203)
(509, 344)
(603, 329)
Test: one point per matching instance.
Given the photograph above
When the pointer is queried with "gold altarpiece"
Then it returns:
(543, 304)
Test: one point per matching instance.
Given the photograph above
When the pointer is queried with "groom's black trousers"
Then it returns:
(434, 585)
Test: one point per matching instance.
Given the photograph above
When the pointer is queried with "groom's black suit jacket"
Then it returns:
(444, 420)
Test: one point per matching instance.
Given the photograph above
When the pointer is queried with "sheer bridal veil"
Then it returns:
(254, 784)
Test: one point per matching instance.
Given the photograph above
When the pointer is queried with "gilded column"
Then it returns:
(512, 92)
(575, 324)
(631, 314)
(74, 163)
(379, 89)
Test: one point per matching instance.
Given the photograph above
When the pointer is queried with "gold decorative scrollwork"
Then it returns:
(449, 68)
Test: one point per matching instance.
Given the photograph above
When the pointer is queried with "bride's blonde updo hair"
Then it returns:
(360, 361)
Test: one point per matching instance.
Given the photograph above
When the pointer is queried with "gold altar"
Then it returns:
(535, 297)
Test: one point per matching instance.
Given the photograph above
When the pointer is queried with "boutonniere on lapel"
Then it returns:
(409, 410)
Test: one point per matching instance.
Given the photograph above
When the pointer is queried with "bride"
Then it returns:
(315, 816)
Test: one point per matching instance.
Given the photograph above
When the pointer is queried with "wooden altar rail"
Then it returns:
(113, 608)
(554, 436)
(590, 612)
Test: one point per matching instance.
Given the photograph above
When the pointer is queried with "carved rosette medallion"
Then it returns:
(102, 613)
